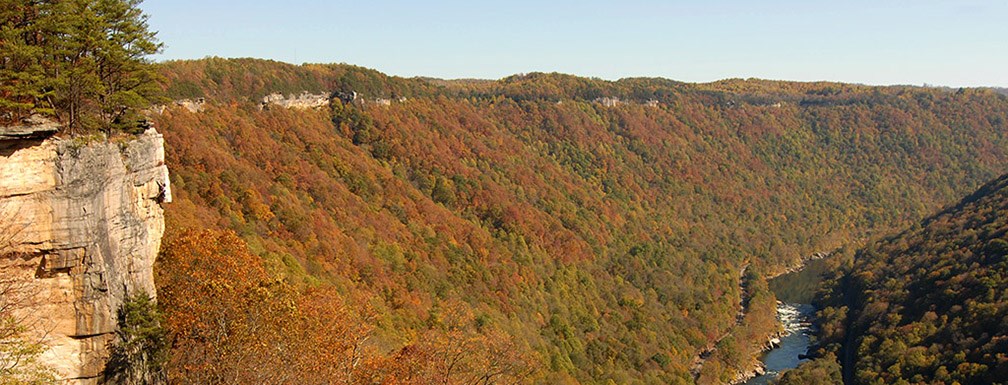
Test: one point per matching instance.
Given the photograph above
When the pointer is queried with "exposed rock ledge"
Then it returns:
(305, 100)
(86, 224)
(35, 127)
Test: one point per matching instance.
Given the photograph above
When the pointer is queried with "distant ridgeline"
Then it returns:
(595, 231)
(928, 304)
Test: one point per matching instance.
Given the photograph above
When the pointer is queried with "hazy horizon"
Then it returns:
(959, 44)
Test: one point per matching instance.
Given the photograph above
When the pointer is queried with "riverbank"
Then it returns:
(740, 345)
(791, 345)
(794, 289)
(758, 368)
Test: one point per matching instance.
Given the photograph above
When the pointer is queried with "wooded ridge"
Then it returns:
(595, 228)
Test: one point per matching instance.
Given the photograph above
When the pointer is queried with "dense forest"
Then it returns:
(927, 305)
(541, 228)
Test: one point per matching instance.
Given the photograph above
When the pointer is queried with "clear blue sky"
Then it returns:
(954, 42)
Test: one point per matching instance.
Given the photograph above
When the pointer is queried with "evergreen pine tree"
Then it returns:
(21, 73)
(126, 77)
(141, 348)
(85, 58)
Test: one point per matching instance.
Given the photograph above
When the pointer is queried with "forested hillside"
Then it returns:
(929, 305)
(594, 231)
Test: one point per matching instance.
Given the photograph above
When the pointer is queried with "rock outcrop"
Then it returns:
(193, 105)
(608, 101)
(35, 127)
(303, 101)
(84, 222)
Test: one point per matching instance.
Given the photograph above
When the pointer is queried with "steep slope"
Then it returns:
(930, 304)
(602, 225)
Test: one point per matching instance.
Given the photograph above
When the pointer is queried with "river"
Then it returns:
(795, 341)
(796, 290)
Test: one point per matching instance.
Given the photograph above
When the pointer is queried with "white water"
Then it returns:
(794, 318)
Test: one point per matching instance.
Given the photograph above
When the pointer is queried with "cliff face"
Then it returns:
(84, 225)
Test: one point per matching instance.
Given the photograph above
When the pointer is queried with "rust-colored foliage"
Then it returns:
(233, 322)
(606, 239)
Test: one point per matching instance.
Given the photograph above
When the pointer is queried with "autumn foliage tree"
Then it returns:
(233, 321)
(929, 304)
(224, 313)
(459, 350)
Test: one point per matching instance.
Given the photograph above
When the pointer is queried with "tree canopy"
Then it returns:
(83, 61)
(606, 241)
(927, 305)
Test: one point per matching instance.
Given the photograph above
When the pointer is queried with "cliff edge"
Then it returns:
(83, 224)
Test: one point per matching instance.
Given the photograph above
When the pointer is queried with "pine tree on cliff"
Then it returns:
(89, 55)
(104, 77)
(21, 72)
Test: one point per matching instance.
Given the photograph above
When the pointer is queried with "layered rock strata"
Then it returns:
(81, 224)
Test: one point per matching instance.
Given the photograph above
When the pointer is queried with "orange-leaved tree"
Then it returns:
(232, 321)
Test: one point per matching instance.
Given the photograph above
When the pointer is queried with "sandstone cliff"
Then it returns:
(85, 225)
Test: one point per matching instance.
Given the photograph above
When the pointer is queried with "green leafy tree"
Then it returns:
(821, 371)
(141, 351)
(75, 80)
